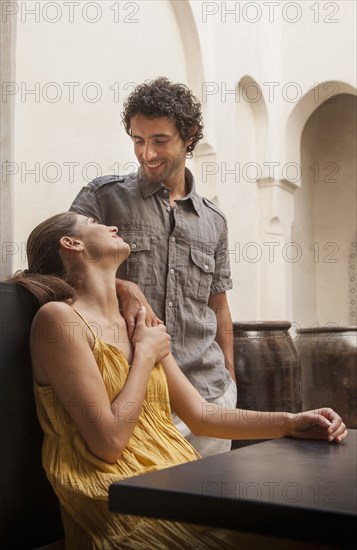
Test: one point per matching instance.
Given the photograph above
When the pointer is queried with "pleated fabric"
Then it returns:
(81, 480)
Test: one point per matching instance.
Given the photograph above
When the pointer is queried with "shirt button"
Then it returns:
(206, 266)
(133, 246)
(171, 304)
(168, 208)
(172, 271)
(165, 191)
(173, 239)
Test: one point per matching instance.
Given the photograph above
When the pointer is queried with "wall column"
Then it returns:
(278, 252)
(7, 70)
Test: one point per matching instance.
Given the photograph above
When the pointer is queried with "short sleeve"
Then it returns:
(87, 203)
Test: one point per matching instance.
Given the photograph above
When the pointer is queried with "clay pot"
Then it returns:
(267, 367)
(329, 369)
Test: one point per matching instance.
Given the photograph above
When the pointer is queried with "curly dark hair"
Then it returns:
(163, 98)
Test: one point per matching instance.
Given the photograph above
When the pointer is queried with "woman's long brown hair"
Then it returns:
(46, 275)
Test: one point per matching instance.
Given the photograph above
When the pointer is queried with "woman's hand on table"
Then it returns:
(322, 423)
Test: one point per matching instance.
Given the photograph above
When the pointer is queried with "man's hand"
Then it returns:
(131, 298)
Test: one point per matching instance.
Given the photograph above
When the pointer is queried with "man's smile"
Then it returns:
(153, 165)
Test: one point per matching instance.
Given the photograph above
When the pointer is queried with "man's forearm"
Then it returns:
(224, 336)
(225, 339)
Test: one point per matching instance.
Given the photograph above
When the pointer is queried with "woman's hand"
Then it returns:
(152, 341)
(322, 423)
(131, 298)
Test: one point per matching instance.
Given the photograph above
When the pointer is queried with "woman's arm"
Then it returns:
(209, 419)
(62, 358)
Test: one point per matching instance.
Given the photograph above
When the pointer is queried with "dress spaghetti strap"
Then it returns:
(87, 324)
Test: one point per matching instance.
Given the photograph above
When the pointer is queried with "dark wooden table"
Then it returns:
(305, 490)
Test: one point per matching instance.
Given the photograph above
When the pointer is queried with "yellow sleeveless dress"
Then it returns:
(81, 480)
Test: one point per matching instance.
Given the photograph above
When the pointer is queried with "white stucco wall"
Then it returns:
(69, 142)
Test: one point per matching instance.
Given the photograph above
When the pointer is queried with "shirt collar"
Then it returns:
(148, 188)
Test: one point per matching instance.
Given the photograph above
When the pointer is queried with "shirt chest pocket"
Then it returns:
(199, 274)
(139, 265)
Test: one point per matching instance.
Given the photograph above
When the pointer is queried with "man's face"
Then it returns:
(159, 148)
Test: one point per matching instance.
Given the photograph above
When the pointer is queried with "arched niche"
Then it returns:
(275, 226)
(249, 95)
(205, 149)
(325, 215)
(245, 137)
(321, 93)
(272, 271)
(191, 44)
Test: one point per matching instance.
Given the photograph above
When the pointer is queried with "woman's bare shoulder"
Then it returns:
(53, 312)
(54, 309)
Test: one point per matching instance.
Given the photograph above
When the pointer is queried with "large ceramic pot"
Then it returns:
(329, 369)
(267, 367)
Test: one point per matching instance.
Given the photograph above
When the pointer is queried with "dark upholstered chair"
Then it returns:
(29, 509)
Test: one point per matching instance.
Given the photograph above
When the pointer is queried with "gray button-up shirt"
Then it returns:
(179, 257)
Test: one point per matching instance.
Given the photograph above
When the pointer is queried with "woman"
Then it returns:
(104, 402)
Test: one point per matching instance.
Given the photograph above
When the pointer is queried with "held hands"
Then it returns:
(322, 423)
(131, 298)
(151, 341)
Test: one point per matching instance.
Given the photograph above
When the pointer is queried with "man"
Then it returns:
(178, 240)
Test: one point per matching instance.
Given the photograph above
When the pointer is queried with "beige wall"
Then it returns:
(89, 68)
(278, 53)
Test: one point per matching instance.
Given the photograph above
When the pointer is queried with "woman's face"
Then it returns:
(101, 240)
